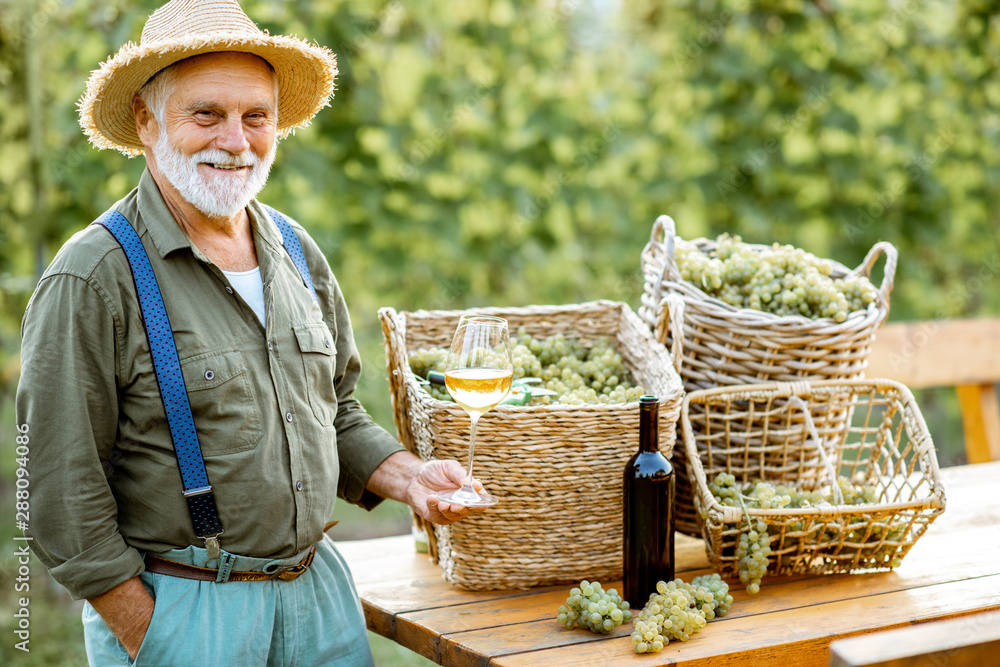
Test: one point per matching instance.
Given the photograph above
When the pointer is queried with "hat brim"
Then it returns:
(305, 73)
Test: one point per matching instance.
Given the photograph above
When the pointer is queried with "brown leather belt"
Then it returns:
(175, 569)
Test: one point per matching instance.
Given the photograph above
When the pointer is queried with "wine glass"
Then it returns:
(479, 375)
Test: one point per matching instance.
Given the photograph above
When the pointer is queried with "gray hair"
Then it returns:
(158, 90)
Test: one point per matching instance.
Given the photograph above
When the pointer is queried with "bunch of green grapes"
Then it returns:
(765, 495)
(752, 553)
(855, 494)
(754, 546)
(720, 592)
(676, 610)
(590, 606)
(782, 279)
(580, 375)
(430, 359)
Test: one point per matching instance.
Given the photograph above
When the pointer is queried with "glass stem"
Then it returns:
(472, 449)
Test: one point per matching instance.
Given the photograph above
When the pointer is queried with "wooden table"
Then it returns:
(953, 570)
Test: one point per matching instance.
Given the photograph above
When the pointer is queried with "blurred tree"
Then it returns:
(493, 152)
(506, 153)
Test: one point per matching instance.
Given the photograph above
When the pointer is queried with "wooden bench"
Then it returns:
(969, 640)
(964, 354)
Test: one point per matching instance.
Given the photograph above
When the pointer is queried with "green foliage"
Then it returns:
(490, 152)
(506, 153)
(499, 153)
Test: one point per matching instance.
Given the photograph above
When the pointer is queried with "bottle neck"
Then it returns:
(649, 426)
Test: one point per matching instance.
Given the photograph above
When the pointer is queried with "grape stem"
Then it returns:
(746, 512)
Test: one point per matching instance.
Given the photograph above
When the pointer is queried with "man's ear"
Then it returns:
(145, 123)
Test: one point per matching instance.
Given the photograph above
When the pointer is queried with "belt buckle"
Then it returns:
(293, 572)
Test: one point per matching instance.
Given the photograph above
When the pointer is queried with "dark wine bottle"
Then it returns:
(648, 494)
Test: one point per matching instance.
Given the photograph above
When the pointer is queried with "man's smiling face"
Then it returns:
(218, 130)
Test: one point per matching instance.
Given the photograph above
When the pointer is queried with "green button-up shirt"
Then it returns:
(281, 432)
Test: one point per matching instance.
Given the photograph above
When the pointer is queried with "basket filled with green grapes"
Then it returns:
(756, 313)
(558, 444)
(826, 476)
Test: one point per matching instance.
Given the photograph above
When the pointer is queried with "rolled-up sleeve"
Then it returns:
(67, 399)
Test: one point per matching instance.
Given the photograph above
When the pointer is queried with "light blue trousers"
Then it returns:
(316, 619)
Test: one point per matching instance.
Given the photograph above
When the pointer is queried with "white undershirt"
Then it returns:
(251, 288)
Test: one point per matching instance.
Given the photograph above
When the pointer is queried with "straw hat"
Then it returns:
(184, 28)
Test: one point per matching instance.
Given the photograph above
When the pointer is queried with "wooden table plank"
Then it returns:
(792, 635)
(535, 627)
(406, 598)
(934, 561)
(394, 559)
(395, 579)
(969, 641)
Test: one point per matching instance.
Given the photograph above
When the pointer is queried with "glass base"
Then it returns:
(468, 497)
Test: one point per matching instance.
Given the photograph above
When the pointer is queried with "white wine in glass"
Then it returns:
(479, 375)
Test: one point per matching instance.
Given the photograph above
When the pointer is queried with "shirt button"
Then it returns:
(326, 341)
(229, 289)
(288, 416)
(209, 375)
(298, 486)
(270, 344)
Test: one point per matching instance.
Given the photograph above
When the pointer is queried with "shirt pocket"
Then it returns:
(223, 403)
(319, 362)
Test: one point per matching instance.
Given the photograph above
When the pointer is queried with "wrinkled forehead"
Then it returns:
(226, 71)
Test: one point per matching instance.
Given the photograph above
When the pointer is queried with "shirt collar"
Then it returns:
(263, 227)
(167, 235)
(268, 239)
(164, 231)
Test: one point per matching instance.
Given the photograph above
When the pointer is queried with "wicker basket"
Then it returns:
(724, 345)
(807, 434)
(557, 469)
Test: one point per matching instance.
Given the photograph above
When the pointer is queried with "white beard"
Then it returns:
(221, 194)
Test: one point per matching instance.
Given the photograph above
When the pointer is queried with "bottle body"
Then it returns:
(648, 521)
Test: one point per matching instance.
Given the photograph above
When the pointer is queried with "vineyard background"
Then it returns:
(489, 152)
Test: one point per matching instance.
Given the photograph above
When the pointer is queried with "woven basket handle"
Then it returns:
(664, 231)
(670, 318)
(888, 274)
(795, 391)
(394, 332)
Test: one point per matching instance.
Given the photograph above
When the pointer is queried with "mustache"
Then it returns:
(226, 159)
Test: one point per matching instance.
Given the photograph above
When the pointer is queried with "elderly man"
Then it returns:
(225, 563)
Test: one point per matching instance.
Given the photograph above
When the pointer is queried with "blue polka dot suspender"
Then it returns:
(293, 248)
(166, 364)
